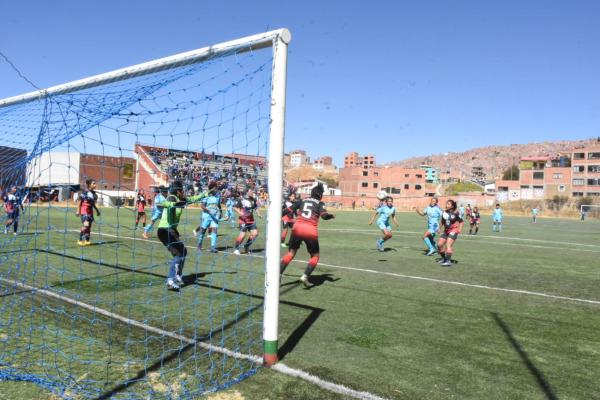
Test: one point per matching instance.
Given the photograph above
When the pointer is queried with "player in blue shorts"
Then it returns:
(210, 217)
(434, 214)
(385, 211)
(229, 204)
(156, 210)
(497, 216)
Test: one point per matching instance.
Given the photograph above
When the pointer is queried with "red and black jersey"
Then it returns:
(140, 203)
(474, 217)
(87, 202)
(247, 205)
(308, 212)
(12, 203)
(451, 221)
(289, 215)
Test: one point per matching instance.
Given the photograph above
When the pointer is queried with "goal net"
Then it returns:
(589, 211)
(96, 175)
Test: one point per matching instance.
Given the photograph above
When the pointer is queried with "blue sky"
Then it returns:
(393, 78)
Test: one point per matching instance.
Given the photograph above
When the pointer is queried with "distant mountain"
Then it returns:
(493, 159)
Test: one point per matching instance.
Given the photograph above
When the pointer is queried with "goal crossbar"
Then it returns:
(245, 44)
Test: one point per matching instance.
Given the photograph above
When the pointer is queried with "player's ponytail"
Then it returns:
(317, 192)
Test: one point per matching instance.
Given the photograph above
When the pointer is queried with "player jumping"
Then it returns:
(87, 205)
(169, 236)
(433, 213)
(306, 230)
(386, 211)
(497, 216)
(156, 210)
(245, 208)
(452, 224)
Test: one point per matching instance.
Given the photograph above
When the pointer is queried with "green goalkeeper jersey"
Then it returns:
(172, 209)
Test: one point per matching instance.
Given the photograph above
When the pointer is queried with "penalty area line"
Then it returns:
(279, 367)
(421, 278)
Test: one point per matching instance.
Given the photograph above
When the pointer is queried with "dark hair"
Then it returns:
(317, 192)
(175, 187)
(453, 204)
(88, 182)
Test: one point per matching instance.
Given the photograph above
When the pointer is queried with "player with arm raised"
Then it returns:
(433, 212)
(245, 208)
(385, 211)
(452, 224)
(87, 205)
(168, 234)
(306, 230)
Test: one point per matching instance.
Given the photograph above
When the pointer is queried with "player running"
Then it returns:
(156, 210)
(474, 219)
(140, 205)
(306, 230)
(167, 232)
(210, 217)
(385, 211)
(433, 212)
(288, 216)
(87, 205)
(497, 216)
(452, 224)
(245, 208)
(13, 207)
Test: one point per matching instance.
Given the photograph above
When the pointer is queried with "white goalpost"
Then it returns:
(197, 111)
(589, 210)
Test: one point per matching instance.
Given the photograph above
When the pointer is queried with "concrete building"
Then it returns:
(432, 174)
(322, 163)
(585, 169)
(298, 158)
(354, 160)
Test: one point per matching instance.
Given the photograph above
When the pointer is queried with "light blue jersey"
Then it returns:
(210, 218)
(156, 210)
(434, 214)
(497, 214)
(385, 213)
(534, 211)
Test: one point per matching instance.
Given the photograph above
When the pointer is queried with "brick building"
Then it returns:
(585, 171)
(354, 160)
(398, 181)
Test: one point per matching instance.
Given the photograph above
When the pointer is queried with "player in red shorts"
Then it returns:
(289, 217)
(140, 205)
(452, 225)
(474, 219)
(87, 205)
(306, 230)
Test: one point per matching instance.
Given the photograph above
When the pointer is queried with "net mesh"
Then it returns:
(97, 320)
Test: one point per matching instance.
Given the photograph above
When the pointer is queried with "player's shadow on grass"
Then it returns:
(318, 280)
(193, 279)
(454, 262)
(537, 374)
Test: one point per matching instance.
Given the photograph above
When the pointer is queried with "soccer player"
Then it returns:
(156, 210)
(288, 216)
(13, 207)
(140, 205)
(468, 210)
(452, 224)
(474, 219)
(210, 217)
(462, 211)
(497, 216)
(229, 204)
(245, 208)
(534, 213)
(385, 211)
(306, 230)
(167, 232)
(87, 205)
(434, 214)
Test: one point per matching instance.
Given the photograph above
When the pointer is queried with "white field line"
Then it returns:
(421, 278)
(280, 367)
(465, 236)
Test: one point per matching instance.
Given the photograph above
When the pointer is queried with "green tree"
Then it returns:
(511, 174)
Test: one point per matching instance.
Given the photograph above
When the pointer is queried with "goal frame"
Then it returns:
(278, 40)
(588, 206)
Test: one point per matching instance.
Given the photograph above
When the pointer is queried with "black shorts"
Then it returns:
(312, 244)
(141, 214)
(87, 218)
(12, 215)
(170, 238)
(451, 235)
(247, 227)
(288, 224)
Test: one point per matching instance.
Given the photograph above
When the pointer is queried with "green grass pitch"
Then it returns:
(394, 324)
